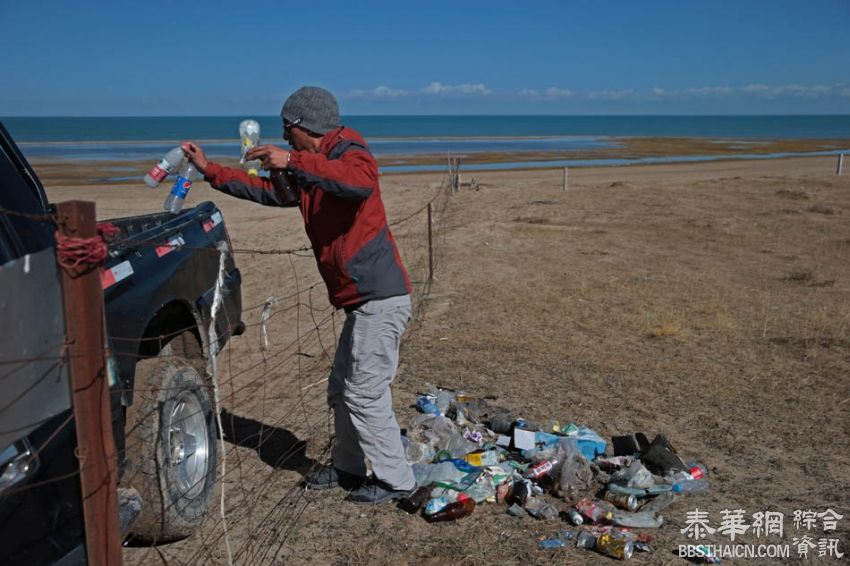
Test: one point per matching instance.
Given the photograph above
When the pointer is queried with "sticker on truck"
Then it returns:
(172, 245)
(213, 221)
(111, 276)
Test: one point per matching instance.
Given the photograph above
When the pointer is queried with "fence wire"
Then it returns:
(273, 412)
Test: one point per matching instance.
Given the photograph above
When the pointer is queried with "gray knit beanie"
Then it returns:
(316, 107)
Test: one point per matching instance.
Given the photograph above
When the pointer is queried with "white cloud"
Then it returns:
(794, 90)
(465, 88)
(387, 91)
(705, 91)
(379, 92)
(551, 93)
(756, 88)
(437, 88)
(708, 91)
(611, 94)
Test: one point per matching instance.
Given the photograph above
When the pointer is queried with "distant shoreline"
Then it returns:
(223, 129)
(619, 151)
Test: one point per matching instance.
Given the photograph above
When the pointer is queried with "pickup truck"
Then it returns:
(159, 283)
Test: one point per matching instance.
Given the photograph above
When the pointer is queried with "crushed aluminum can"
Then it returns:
(622, 500)
(615, 547)
(586, 540)
(642, 547)
(575, 517)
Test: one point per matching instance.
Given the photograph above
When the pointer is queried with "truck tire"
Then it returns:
(171, 445)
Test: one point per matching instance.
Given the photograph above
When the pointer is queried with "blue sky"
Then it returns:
(566, 57)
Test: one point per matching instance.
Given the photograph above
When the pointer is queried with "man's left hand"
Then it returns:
(271, 156)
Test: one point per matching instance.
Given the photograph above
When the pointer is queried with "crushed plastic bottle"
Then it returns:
(481, 491)
(426, 405)
(636, 475)
(690, 486)
(483, 458)
(639, 520)
(551, 543)
(449, 472)
(166, 165)
(694, 480)
(416, 452)
(444, 400)
(541, 510)
(435, 505)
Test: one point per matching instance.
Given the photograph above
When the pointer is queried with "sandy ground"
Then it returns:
(709, 302)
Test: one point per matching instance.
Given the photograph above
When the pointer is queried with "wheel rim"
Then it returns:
(188, 444)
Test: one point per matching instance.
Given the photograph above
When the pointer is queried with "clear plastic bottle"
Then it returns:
(690, 486)
(694, 480)
(175, 199)
(249, 132)
(544, 468)
(418, 452)
(481, 491)
(166, 165)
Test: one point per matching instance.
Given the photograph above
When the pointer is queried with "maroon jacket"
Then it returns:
(340, 199)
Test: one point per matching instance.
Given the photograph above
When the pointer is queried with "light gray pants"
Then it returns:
(359, 392)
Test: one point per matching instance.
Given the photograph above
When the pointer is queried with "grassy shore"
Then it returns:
(709, 302)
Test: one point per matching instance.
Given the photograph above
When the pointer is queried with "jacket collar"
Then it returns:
(330, 139)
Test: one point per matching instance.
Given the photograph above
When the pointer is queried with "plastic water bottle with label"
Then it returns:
(249, 132)
(165, 166)
(175, 199)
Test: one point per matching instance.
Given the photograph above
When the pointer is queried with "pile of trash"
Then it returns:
(466, 452)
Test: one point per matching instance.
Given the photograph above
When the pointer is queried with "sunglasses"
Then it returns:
(289, 124)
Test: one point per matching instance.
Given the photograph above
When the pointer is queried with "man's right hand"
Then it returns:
(195, 154)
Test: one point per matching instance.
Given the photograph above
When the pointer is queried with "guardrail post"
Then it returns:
(84, 327)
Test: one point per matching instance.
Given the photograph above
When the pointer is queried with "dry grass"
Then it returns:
(701, 301)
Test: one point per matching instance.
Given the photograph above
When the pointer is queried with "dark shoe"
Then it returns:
(375, 491)
(328, 477)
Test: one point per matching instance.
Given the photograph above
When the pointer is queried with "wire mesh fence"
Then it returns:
(215, 448)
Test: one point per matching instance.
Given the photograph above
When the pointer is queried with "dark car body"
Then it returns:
(159, 280)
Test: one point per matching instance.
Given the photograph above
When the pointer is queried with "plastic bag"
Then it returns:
(576, 476)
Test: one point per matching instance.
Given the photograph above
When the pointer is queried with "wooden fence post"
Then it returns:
(430, 247)
(840, 168)
(84, 327)
(566, 178)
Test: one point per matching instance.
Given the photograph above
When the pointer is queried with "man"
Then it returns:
(335, 181)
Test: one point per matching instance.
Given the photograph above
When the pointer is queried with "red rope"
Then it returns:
(80, 255)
